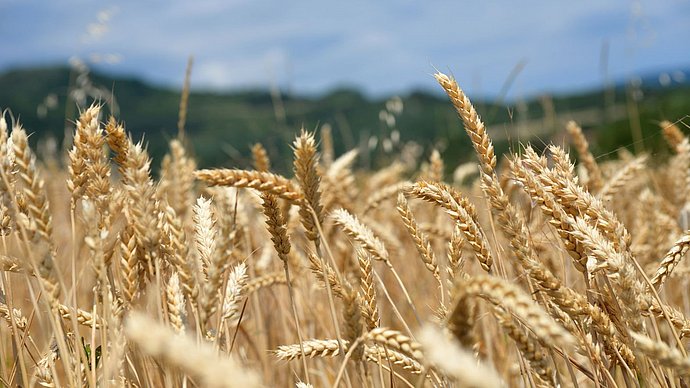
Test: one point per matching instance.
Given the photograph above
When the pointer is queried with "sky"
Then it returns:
(379, 46)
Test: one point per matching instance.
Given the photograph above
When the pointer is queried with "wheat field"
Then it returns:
(520, 270)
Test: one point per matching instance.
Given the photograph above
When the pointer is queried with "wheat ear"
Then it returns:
(176, 184)
(629, 172)
(456, 363)
(665, 354)
(263, 281)
(370, 311)
(235, 292)
(671, 259)
(175, 303)
(305, 166)
(422, 243)
(196, 359)
(528, 347)
(464, 216)
(501, 293)
(672, 133)
(595, 181)
(262, 181)
(215, 264)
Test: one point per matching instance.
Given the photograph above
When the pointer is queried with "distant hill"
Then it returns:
(222, 126)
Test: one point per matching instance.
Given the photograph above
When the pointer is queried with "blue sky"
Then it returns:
(380, 46)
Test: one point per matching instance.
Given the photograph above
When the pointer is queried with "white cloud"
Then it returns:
(240, 72)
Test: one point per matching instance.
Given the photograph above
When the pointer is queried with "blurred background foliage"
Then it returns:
(221, 127)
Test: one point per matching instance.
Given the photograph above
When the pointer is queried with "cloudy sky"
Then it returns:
(381, 46)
